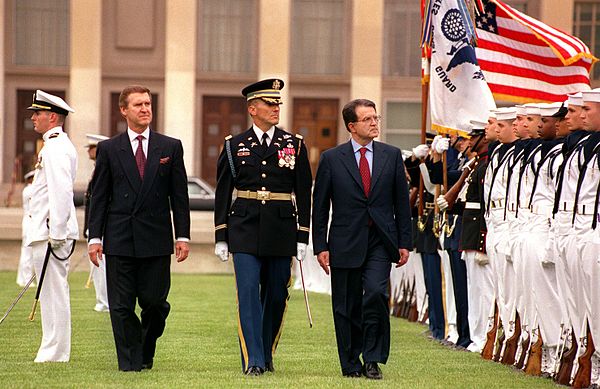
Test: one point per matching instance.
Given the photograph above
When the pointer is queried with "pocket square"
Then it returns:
(165, 160)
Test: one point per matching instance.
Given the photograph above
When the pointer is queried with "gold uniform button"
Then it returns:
(263, 202)
(263, 188)
(243, 162)
(263, 175)
(264, 162)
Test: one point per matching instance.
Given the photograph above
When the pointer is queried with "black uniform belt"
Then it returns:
(263, 195)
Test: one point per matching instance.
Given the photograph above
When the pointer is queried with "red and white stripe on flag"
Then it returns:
(525, 60)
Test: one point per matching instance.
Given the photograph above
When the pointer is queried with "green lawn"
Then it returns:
(200, 349)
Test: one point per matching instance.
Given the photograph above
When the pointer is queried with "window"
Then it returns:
(403, 124)
(227, 31)
(401, 38)
(586, 20)
(41, 33)
(318, 31)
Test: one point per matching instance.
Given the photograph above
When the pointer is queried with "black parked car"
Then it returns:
(202, 195)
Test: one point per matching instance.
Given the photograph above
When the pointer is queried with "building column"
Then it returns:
(84, 94)
(180, 76)
(274, 49)
(367, 46)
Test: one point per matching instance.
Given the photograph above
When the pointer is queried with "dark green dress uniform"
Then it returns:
(262, 227)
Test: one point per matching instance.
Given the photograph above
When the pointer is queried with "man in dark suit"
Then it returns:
(365, 183)
(139, 180)
(264, 227)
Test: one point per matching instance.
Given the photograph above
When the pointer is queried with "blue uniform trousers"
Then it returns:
(433, 284)
(262, 294)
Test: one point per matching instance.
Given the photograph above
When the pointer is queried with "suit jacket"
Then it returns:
(338, 182)
(272, 227)
(133, 216)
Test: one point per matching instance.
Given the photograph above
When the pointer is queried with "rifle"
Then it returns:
(510, 349)
(413, 313)
(584, 372)
(524, 350)
(499, 343)
(408, 303)
(534, 362)
(563, 377)
(396, 302)
(560, 349)
(488, 349)
(453, 192)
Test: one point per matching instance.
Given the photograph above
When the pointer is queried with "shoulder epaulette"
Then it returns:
(299, 136)
(52, 136)
(228, 137)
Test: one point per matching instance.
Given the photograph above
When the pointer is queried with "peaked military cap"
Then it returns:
(477, 128)
(93, 139)
(43, 101)
(267, 90)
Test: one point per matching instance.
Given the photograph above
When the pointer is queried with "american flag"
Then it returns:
(525, 60)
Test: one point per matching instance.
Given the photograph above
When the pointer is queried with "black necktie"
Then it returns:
(264, 144)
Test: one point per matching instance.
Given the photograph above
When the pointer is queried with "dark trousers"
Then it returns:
(433, 284)
(146, 280)
(262, 293)
(459, 280)
(360, 300)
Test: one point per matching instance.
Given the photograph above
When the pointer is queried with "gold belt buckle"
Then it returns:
(263, 195)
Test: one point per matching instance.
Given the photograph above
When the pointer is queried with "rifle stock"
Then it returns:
(508, 358)
(488, 349)
(524, 351)
(584, 372)
(534, 362)
(566, 363)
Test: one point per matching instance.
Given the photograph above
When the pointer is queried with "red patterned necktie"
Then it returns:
(140, 157)
(365, 174)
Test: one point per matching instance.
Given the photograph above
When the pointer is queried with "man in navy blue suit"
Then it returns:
(365, 183)
(139, 181)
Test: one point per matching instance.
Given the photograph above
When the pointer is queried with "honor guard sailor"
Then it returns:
(52, 220)
(268, 222)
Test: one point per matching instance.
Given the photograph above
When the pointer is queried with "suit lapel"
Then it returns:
(349, 160)
(128, 162)
(152, 163)
(379, 160)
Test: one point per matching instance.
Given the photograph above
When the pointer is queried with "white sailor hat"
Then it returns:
(550, 109)
(575, 99)
(506, 113)
(43, 101)
(492, 114)
(93, 139)
(521, 109)
(29, 174)
(532, 109)
(592, 96)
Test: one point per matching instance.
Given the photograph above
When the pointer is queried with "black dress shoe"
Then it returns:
(270, 368)
(372, 371)
(353, 374)
(147, 365)
(254, 371)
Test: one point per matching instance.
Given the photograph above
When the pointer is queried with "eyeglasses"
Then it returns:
(369, 119)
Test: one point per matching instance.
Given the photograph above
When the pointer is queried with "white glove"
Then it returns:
(57, 243)
(420, 151)
(435, 141)
(301, 251)
(222, 251)
(442, 145)
(481, 259)
(442, 203)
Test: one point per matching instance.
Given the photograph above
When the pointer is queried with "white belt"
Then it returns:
(543, 210)
(472, 205)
